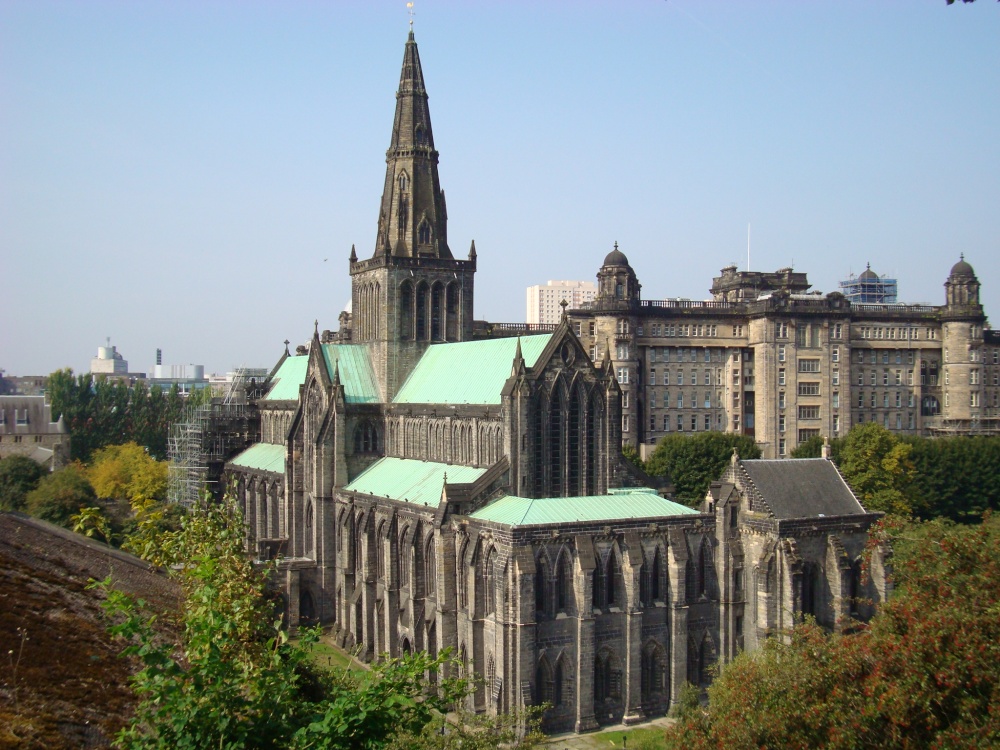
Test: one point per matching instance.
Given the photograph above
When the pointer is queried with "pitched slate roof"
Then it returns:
(263, 457)
(356, 374)
(618, 505)
(35, 414)
(471, 372)
(802, 487)
(411, 480)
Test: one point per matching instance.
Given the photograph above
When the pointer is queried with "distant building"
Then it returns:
(108, 361)
(186, 377)
(770, 359)
(869, 288)
(111, 364)
(544, 299)
(27, 429)
(23, 385)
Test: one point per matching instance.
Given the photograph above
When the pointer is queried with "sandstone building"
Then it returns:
(423, 483)
(767, 358)
(27, 429)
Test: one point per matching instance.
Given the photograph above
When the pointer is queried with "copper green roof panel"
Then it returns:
(356, 374)
(418, 482)
(619, 506)
(471, 372)
(263, 457)
(288, 378)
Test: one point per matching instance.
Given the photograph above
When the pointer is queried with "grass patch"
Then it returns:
(330, 657)
(647, 738)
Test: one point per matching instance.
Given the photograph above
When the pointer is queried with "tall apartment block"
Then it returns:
(544, 299)
(768, 358)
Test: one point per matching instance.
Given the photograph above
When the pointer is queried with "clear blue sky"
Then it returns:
(173, 174)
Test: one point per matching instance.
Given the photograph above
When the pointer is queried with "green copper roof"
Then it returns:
(619, 505)
(288, 378)
(262, 456)
(356, 374)
(414, 481)
(472, 372)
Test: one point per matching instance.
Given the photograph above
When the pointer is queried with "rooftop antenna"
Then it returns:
(409, 9)
(748, 246)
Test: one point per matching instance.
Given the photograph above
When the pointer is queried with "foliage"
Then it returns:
(940, 478)
(688, 702)
(100, 412)
(876, 464)
(924, 674)
(235, 680)
(955, 477)
(19, 475)
(90, 521)
(60, 495)
(693, 461)
(813, 448)
(513, 731)
(632, 455)
(128, 472)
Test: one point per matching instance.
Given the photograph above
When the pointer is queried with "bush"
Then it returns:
(60, 495)
(19, 475)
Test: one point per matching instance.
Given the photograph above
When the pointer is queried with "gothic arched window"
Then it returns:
(424, 233)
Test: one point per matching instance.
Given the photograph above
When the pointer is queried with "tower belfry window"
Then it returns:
(424, 233)
(404, 182)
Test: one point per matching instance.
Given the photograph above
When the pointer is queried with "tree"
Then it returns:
(876, 464)
(924, 674)
(60, 495)
(127, 472)
(234, 679)
(813, 448)
(632, 455)
(693, 461)
(19, 475)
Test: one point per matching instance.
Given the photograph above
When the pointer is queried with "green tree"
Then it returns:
(19, 475)
(955, 477)
(813, 448)
(632, 455)
(693, 461)
(924, 674)
(234, 680)
(876, 464)
(60, 495)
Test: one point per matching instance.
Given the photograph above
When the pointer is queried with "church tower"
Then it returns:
(412, 291)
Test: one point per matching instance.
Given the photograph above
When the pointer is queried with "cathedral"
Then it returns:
(424, 481)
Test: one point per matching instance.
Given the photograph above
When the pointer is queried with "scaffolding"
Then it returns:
(869, 288)
(199, 445)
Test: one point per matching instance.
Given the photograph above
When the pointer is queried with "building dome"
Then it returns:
(616, 258)
(962, 268)
(868, 273)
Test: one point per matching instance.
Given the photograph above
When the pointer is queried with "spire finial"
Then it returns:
(616, 244)
(961, 256)
(316, 327)
(563, 304)
(287, 342)
(409, 9)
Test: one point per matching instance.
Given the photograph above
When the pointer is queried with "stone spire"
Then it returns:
(413, 220)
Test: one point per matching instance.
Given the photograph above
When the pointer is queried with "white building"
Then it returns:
(108, 361)
(544, 299)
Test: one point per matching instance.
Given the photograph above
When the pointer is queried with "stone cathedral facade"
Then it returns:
(422, 485)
